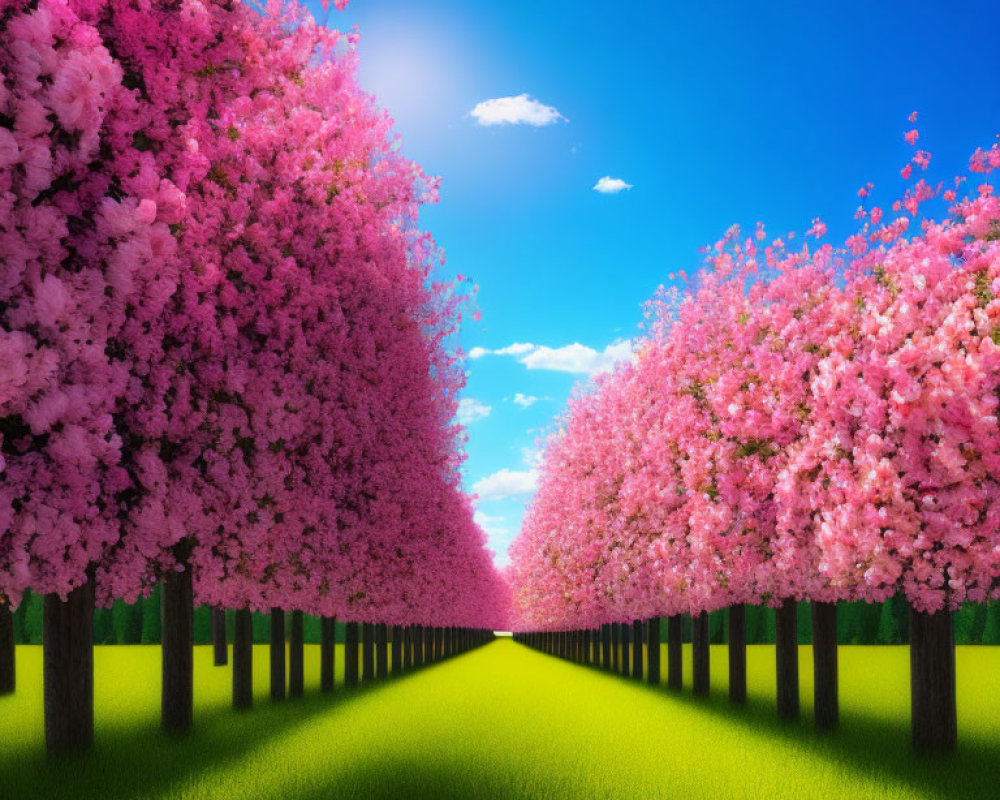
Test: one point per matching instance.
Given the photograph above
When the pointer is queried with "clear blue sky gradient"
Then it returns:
(717, 113)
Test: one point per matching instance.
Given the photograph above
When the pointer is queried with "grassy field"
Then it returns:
(504, 722)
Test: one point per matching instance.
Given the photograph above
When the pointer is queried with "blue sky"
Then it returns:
(714, 113)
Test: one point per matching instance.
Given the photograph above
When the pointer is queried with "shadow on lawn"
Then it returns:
(862, 743)
(145, 761)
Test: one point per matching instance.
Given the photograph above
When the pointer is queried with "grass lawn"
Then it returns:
(504, 722)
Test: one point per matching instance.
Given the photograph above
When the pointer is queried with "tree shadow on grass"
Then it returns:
(862, 743)
(144, 761)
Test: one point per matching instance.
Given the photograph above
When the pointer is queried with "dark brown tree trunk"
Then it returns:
(825, 680)
(932, 681)
(381, 651)
(242, 659)
(221, 651)
(419, 645)
(8, 672)
(653, 651)
(606, 646)
(351, 654)
(700, 669)
(277, 654)
(327, 652)
(428, 645)
(626, 634)
(637, 639)
(296, 657)
(177, 651)
(408, 648)
(675, 651)
(786, 651)
(615, 648)
(68, 670)
(368, 647)
(449, 642)
(738, 654)
(397, 649)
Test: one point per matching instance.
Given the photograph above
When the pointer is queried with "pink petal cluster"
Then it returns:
(221, 348)
(809, 424)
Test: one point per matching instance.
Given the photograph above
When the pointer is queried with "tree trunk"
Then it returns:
(675, 651)
(408, 648)
(277, 654)
(738, 654)
(368, 647)
(327, 652)
(786, 651)
(637, 639)
(242, 659)
(615, 637)
(177, 651)
(351, 654)
(428, 644)
(932, 681)
(626, 634)
(68, 670)
(296, 657)
(438, 644)
(700, 670)
(7, 652)
(653, 651)
(397, 649)
(825, 681)
(419, 640)
(606, 646)
(381, 651)
(221, 651)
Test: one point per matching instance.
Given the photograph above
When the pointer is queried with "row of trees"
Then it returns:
(224, 358)
(814, 424)
(858, 623)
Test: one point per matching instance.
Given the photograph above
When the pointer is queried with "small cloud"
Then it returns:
(483, 519)
(577, 358)
(609, 185)
(516, 110)
(499, 537)
(516, 349)
(532, 457)
(524, 400)
(470, 410)
(506, 483)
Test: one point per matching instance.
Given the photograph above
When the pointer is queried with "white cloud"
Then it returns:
(506, 483)
(609, 185)
(524, 400)
(575, 358)
(483, 519)
(470, 410)
(532, 456)
(516, 349)
(515, 110)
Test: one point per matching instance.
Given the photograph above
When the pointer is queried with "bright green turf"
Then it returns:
(504, 722)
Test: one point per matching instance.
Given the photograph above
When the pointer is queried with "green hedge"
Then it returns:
(139, 623)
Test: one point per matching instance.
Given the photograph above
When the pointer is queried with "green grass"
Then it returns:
(504, 722)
